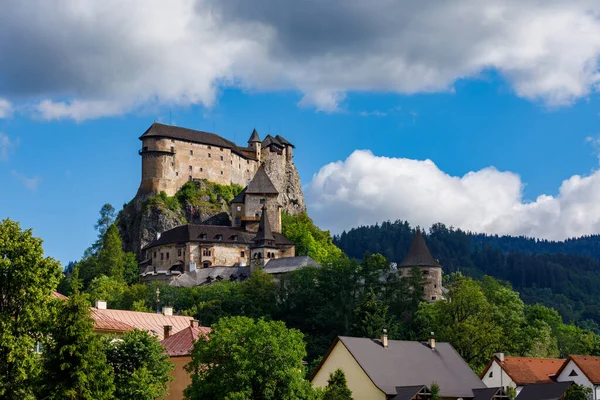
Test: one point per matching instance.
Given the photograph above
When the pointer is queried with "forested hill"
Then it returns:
(563, 275)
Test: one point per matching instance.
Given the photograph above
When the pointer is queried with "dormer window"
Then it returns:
(235, 238)
(219, 237)
(203, 236)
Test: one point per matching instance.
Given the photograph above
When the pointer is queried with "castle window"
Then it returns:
(172, 164)
(154, 254)
(425, 272)
(221, 158)
(219, 237)
(208, 155)
(145, 148)
(243, 254)
(203, 236)
(162, 256)
(433, 297)
(191, 168)
(179, 252)
(167, 256)
(247, 161)
(221, 172)
(172, 149)
(256, 215)
(239, 208)
(201, 170)
(235, 238)
(262, 201)
(205, 265)
(220, 148)
(435, 286)
(176, 173)
(209, 147)
(191, 152)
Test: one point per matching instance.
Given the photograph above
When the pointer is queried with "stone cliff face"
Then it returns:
(284, 176)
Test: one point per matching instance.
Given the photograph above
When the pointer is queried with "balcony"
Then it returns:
(250, 219)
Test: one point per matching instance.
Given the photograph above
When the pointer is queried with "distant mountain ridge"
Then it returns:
(563, 275)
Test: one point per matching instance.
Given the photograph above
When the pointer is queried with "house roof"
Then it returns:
(488, 393)
(193, 233)
(124, 320)
(240, 197)
(254, 137)
(544, 391)
(261, 183)
(182, 342)
(408, 363)
(287, 264)
(528, 370)
(407, 392)
(419, 255)
(589, 365)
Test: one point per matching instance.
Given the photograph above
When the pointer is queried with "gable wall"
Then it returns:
(359, 383)
(580, 379)
(499, 377)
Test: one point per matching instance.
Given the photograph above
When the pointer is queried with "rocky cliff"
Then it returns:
(284, 176)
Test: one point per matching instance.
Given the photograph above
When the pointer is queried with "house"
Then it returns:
(179, 347)
(395, 369)
(502, 371)
(583, 370)
(544, 391)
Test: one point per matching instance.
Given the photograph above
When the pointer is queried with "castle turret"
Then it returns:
(431, 270)
(254, 143)
(263, 245)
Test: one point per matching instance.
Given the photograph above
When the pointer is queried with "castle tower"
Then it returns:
(255, 144)
(258, 195)
(263, 245)
(419, 256)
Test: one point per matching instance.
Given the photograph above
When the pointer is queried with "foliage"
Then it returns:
(337, 387)
(141, 369)
(578, 392)
(309, 239)
(27, 280)
(163, 202)
(372, 317)
(511, 392)
(74, 365)
(435, 391)
(247, 359)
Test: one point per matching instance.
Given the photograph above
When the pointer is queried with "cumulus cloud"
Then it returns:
(5, 108)
(88, 59)
(365, 189)
(29, 183)
(6, 146)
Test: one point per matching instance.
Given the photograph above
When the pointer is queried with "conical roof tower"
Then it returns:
(419, 255)
(264, 236)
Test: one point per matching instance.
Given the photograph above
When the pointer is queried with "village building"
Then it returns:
(172, 156)
(544, 391)
(179, 347)
(431, 270)
(517, 372)
(583, 370)
(395, 369)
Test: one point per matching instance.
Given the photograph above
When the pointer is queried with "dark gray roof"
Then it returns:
(261, 183)
(254, 137)
(288, 264)
(419, 255)
(240, 197)
(279, 141)
(204, 276)
(264, 235)
(406, 363)
(489, 393)
(544, 391)
(407, 392)
(193, 233)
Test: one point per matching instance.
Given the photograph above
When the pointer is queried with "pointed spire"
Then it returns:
(419, 255)
(264, 234)
(254, 137)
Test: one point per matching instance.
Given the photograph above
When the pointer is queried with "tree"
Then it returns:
(246, 359)
(74, 366)
(27, 280)
(106, 219)
(372, 317)
(578, 392)
(337, 387)
(309, 239)
(141, 368)
(435, 391)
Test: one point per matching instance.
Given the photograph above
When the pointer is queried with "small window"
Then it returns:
(190, 178)
(201, 169)
(145, 148)
(167, 256)
(235, 238)
(239, 208)
(176, 173)
(203, 236)
(220, 148)
(191, 152)
(221, 172)
(262, 201)
(221, 158)
(172, 164)
(425, 272)
(179, 252)
(573, 373)
(219, 237)
(243, 254)
(208, 155)
(237, 220)
(435, 286)
(172, 140)
(191, 168)
(205, 265)
(491, 375)
(247, 161)
(172, 149)
(209, 147)
(162, 256)
(256, 215)
(433, 297)
(154, 254)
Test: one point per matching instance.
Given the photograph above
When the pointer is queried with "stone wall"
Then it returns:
(433, 281)
(253, 209)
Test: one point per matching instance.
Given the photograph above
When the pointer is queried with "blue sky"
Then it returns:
(69, 128)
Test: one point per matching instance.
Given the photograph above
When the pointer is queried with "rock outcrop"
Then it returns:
(284, 176)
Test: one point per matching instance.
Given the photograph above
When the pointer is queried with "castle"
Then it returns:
(172, 156)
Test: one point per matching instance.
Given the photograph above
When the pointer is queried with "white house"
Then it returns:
(518, 372)
(583, 370)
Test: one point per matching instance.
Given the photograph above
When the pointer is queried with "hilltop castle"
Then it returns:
(172, 156)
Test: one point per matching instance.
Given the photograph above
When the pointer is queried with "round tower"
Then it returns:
(254, 143)
(431, 270)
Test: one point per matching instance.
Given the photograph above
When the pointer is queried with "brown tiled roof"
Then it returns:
(419, 255)
(151, 322)
(193, 233)
(182, 342)
(589, 365)
(527, 370)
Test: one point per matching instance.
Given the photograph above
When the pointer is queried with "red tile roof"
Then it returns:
(589, 365)
(182, 342)
(151, 322)
(527, 371)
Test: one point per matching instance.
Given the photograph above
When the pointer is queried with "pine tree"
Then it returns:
(337, 387)
(372, 317)
(435, 391)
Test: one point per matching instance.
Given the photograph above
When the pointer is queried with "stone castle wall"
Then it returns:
(433, 282)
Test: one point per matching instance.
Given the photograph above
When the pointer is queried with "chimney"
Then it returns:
(168, 331)
(168, 311)
(194, 323)
(384, 339)
(101, 304)
(431, 342)
(499, 356)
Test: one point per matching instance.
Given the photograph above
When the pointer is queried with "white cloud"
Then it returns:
(5, 108)
(29, 183)
(110, 57)
(374, 113)
(6, 146)
(365, 189)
